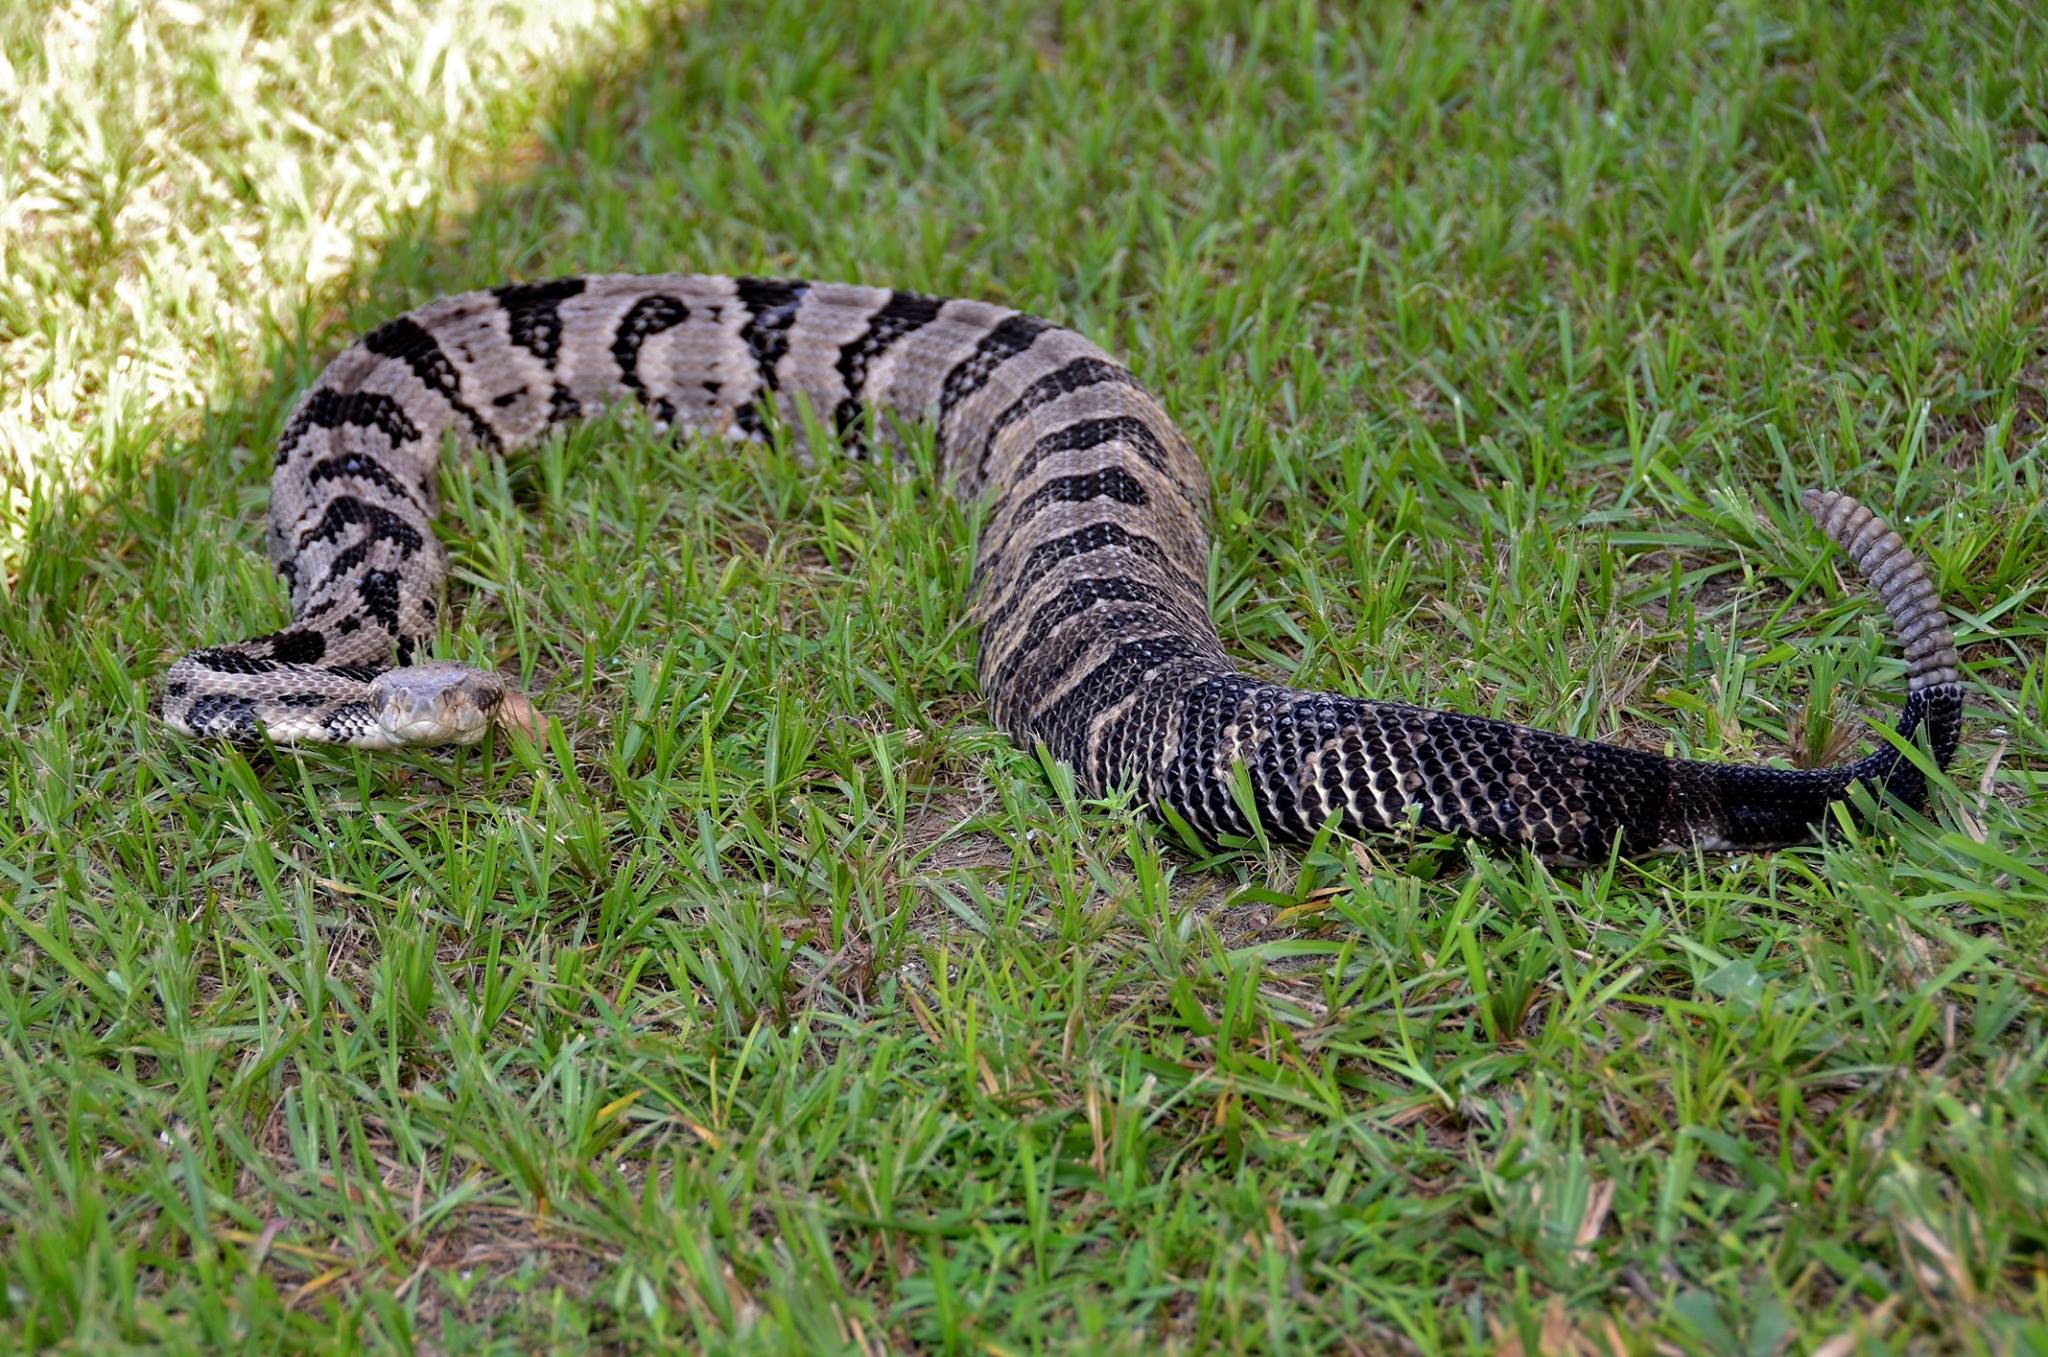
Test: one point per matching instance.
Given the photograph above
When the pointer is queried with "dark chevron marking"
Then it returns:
(1010, 337)
(1126, 598)
(644, 319)
(1082, 595)
(1082, 372)
(349, 719)
(326, 409)
(902, 314)
(380, 524)
(1084, 542)
(1093, 433)
(407, 341)
(379, 591)
(563, 408)
(1096, 638)
(771, 310)
(224, 714)
(351, 558)
(1112, 679)
(225, 660)
(533, 315)
(362, 468)
(298, 647)
(1109, 483)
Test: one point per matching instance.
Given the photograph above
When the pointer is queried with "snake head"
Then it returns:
(440, 703)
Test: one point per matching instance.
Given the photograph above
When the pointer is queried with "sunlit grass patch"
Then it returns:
(184, 184)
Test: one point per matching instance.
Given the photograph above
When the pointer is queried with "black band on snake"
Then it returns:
(1090, 579)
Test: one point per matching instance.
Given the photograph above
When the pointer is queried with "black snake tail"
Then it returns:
(1091, 573)
(1312, 756)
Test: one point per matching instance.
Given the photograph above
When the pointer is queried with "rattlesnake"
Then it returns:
(1090, 581)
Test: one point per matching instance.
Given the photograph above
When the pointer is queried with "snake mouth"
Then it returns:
(436, 703)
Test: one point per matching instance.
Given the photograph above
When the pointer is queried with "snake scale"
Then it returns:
(1090, 579)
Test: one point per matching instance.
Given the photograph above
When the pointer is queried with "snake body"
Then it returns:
(1091, 573)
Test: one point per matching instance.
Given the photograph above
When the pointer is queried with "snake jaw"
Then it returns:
(434, 704)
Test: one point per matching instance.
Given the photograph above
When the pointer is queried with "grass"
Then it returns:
(780, 1004)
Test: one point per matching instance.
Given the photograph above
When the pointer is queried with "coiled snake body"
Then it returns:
(1091, 573)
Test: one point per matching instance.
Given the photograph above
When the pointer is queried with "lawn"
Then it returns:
(780, 1004)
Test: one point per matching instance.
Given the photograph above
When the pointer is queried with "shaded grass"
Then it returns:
(782, 1005)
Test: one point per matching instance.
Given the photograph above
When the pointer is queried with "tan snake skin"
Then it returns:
(1091, 573)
